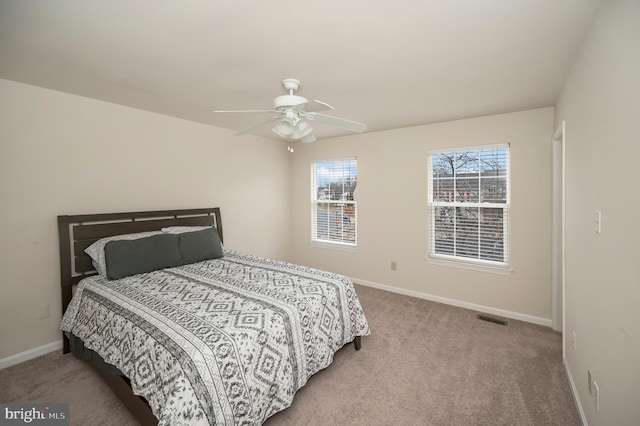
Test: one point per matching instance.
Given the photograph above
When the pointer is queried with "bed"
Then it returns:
(188, 331)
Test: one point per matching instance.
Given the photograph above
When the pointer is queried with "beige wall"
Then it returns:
(64, 154)
(600, 106)
(392, 211)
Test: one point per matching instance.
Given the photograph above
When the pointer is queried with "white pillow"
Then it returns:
(96, 250)
(182, 229)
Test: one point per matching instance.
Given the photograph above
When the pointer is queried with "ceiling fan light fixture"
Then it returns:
(308, 138)
(283, 129)
(291, 117)
(301, 130)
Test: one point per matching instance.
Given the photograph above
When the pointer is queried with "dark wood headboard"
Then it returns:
(77, 232)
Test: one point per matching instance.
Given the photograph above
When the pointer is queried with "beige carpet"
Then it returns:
(424, 364)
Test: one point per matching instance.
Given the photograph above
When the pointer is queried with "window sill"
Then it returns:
(506, 270)
(335, 246)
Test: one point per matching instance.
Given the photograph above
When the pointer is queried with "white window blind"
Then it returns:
(469, 205)
(334, 202)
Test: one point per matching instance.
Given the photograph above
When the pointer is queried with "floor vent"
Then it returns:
(492, 319)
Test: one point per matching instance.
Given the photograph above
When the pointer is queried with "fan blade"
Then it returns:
(247, 110)
(313, 106)
(255, 126)
(354, 126)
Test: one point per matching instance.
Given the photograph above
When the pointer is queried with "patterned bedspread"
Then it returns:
(225, 341)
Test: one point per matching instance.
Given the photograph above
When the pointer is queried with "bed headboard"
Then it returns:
(77, 232)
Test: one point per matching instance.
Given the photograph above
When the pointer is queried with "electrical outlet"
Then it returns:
(596, 391)
(394, 265)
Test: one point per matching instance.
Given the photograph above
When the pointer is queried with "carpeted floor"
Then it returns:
(424, 364)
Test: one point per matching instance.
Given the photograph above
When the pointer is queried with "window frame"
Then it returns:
(338, 245)
(503, 267)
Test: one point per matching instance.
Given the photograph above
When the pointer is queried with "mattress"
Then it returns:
(223, 341)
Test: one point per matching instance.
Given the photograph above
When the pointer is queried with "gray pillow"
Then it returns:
(200, 245)
(130, 257)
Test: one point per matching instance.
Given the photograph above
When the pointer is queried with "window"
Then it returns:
(469, 205)
(334, 201)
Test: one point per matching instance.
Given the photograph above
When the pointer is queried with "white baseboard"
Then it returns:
(459, 303)
(574, 391)
(30, 354)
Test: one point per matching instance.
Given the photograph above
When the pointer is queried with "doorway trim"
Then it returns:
(558, 221)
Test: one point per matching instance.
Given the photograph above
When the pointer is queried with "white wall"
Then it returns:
(600, 105)
(392, 211)
(65, 154)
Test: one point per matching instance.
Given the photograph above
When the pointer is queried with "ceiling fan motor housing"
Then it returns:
(287, 101)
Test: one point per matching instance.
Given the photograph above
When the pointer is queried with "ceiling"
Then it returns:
(389, 64)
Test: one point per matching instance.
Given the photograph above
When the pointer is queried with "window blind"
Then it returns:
(469, 205)
(334, 205)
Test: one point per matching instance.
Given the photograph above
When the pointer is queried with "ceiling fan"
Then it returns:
(292, 114)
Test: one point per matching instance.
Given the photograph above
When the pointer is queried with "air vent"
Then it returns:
(494, 320)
